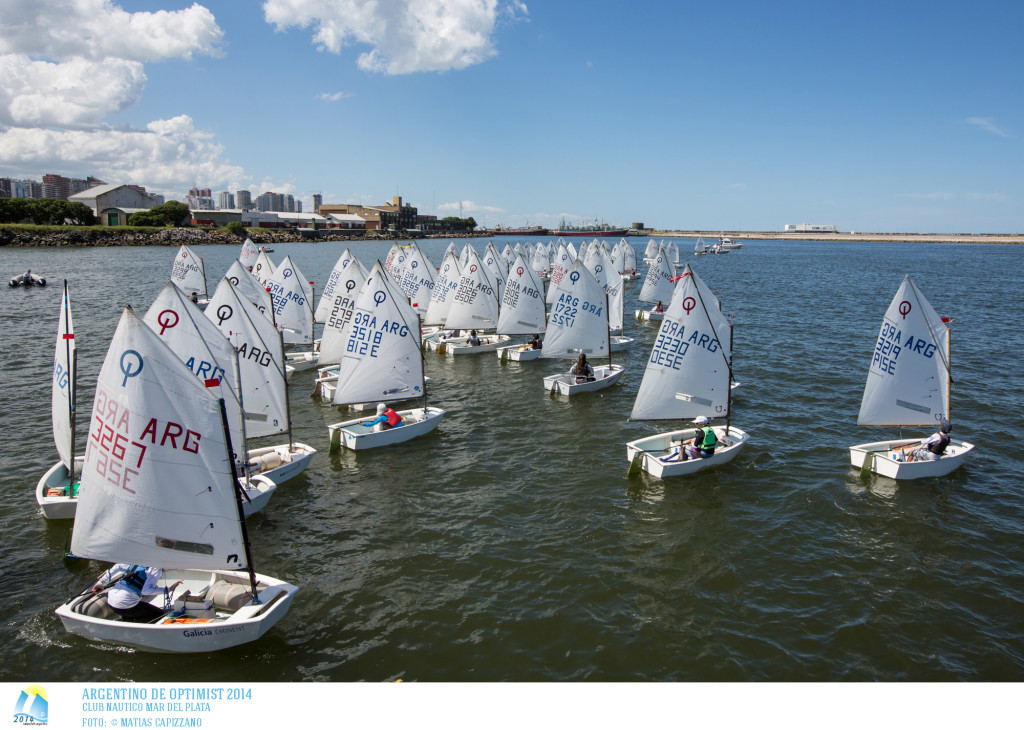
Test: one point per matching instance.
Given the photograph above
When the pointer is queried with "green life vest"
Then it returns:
(709, 440)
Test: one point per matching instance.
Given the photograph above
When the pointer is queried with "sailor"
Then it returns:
(473, 339)
(133, 584)
(535, 342)
(935, 445)
(704, 441)
(582, 370)
(386, 418)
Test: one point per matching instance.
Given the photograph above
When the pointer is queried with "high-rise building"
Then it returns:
(199, 199)
(317, 200)
(225, 200)
(244, 199)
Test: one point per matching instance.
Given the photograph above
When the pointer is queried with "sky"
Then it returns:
(871, 116)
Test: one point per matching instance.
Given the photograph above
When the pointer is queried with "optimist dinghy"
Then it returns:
(908, 385)
(139, 506)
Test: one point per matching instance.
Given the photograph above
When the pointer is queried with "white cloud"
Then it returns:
(99, 29)
(74, 94)
(468, 207)
(926, 196)
(405, 36)
(171, 151)
(336, 96)
(986, 124)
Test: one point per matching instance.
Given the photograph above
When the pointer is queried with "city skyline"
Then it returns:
(873, 118)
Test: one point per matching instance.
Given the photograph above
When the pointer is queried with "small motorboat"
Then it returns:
(27, 279)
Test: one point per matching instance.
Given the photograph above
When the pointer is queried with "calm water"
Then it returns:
(509, 544)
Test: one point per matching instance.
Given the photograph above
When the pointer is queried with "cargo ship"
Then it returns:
(521, 231)
(598, 229)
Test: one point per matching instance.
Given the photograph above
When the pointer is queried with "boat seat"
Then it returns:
(228, 596)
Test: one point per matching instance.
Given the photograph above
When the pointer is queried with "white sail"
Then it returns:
(559, 268)
(616, 305)
(687, 373)
(248, 286)
(62, 400)
(497, 267)
(522, 309)
(188, 272)
(651, 250)
(657, 284)
(443, 294)
(339, 315)
(475, 305)
(629, 258)
(394, 262)
(540, 262)
(260, 359)
(263, 269)
(202, 347)
(290, 297)
(908, 380)
(157, 485)
(673, 252)
(418, 277)
(326, 302)
(249, 253)
(464, 256)
(383, 360)
(579, 317)
(508, 254)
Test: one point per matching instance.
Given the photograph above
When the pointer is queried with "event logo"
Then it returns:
(689, 303)
(167, 319)
(286, 273)
(32, 707)
(574, 277)
(224, 311)
(129, 358)
(904, 308)
(379, 297)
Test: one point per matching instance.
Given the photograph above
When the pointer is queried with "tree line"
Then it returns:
(53, 212)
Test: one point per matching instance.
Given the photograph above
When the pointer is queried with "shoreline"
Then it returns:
(879, 237)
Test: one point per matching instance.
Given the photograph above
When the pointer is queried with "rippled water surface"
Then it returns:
(510, 545)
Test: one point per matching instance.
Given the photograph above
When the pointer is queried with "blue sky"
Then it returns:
(872, 116)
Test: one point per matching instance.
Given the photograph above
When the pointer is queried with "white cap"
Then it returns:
(701, 420)
(381, 408)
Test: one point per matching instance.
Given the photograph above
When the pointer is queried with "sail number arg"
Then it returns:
(672, 344)
(890, 344)
(280, 297)
(110, 441)
(568, 306)
(60, 375)
(366, 334)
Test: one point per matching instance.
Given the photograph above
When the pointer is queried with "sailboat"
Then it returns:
(522, 310)
(474, 307)
(248, 255)
(140, 505)
(687, 376)
(346, 280)
(908, 385)
(262, 377)
(657, 286)
(383, 362)
(57, 491)
(579, 324)
(291, 297)
(204, 349)
(189, 274)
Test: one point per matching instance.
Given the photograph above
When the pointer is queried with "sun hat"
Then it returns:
(381, 408)
(701, 420)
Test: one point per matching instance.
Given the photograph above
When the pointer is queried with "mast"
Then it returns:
(607, 329)
(238, 500)
(241, 409)
(72, 359)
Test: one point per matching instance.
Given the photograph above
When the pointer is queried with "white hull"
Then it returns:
(258, 491)
(488, 343)
(646, 315)
(881, 455)
(58, 506)
(652, 449)
(354, 435)
(205, 628)
(278, 463)
(629, 277)
(327, 382)
(565, 384)
(518, 353)
(620, 343)
(303, 360)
